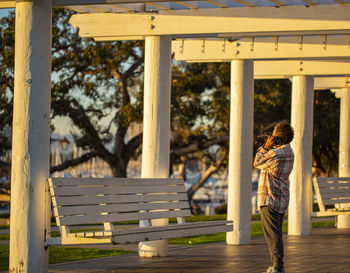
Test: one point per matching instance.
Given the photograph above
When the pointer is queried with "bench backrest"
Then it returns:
(331, 190)
(104, 200)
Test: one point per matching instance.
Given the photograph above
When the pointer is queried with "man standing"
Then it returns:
(275, 160)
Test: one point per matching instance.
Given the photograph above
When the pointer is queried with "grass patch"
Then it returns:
(68, 254)
(4, 257)
(320, 224)
(64, 254)
(197, 218)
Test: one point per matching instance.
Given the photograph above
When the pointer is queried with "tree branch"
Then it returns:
(80, 118)
(207, 174)
(73, 162)
(200, 145)
(133, 144)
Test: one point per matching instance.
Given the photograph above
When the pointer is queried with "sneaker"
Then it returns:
(274, 270)
(268, 270)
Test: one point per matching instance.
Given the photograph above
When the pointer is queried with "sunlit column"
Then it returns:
(30, 207)
(343, 221)
(241, 151)
(300, 205)
(156, 125)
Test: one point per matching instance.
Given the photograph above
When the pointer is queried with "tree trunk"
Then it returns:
(118, 172)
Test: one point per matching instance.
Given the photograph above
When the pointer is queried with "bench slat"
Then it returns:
(335, 192)
(114, 181)
(130, 207)
(333, 185)
(331, 191)
(328, 179)
(336, 201)
(111, 199)
(88, 190)
(329, 213)
(154, 228)
(318, 194)
(173, 227)
(116, 217)
(166, 234)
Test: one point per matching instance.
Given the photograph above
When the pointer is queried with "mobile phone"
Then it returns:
(277, 140)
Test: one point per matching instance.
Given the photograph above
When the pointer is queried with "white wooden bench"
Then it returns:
(81, 201)
(332, 191)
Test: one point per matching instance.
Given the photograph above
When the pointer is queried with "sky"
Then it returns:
(4, 12)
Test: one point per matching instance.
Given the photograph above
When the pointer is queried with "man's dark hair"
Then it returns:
(284, 131)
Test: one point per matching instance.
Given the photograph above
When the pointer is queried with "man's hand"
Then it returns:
(269, 143)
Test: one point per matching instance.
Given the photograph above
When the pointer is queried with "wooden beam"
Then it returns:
(309, 2)
(312, 12)
(277, 2)
(284, 47)
(320, 83)
(7, 4)
(247, 21)
(120, 38)
(156, 5)
(217, 4)
(245, 3)
(101, 2)
(184, 4)
(120, 7)
(332, 82)
(285, 69)
(64, 3)
(96, 8)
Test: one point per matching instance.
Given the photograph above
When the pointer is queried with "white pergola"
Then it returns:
(307, 39)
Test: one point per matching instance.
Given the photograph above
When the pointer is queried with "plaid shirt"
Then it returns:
(275, 165)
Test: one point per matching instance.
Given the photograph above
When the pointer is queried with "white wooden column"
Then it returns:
(300, 204)
(241, 151)
(343, 221)
(156, 125)
(30, 210)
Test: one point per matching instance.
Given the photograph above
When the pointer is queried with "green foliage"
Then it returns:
(6, 81)
(272, 103)
(97, 84)
(189, 84)
(326, 132)
(4, 257)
